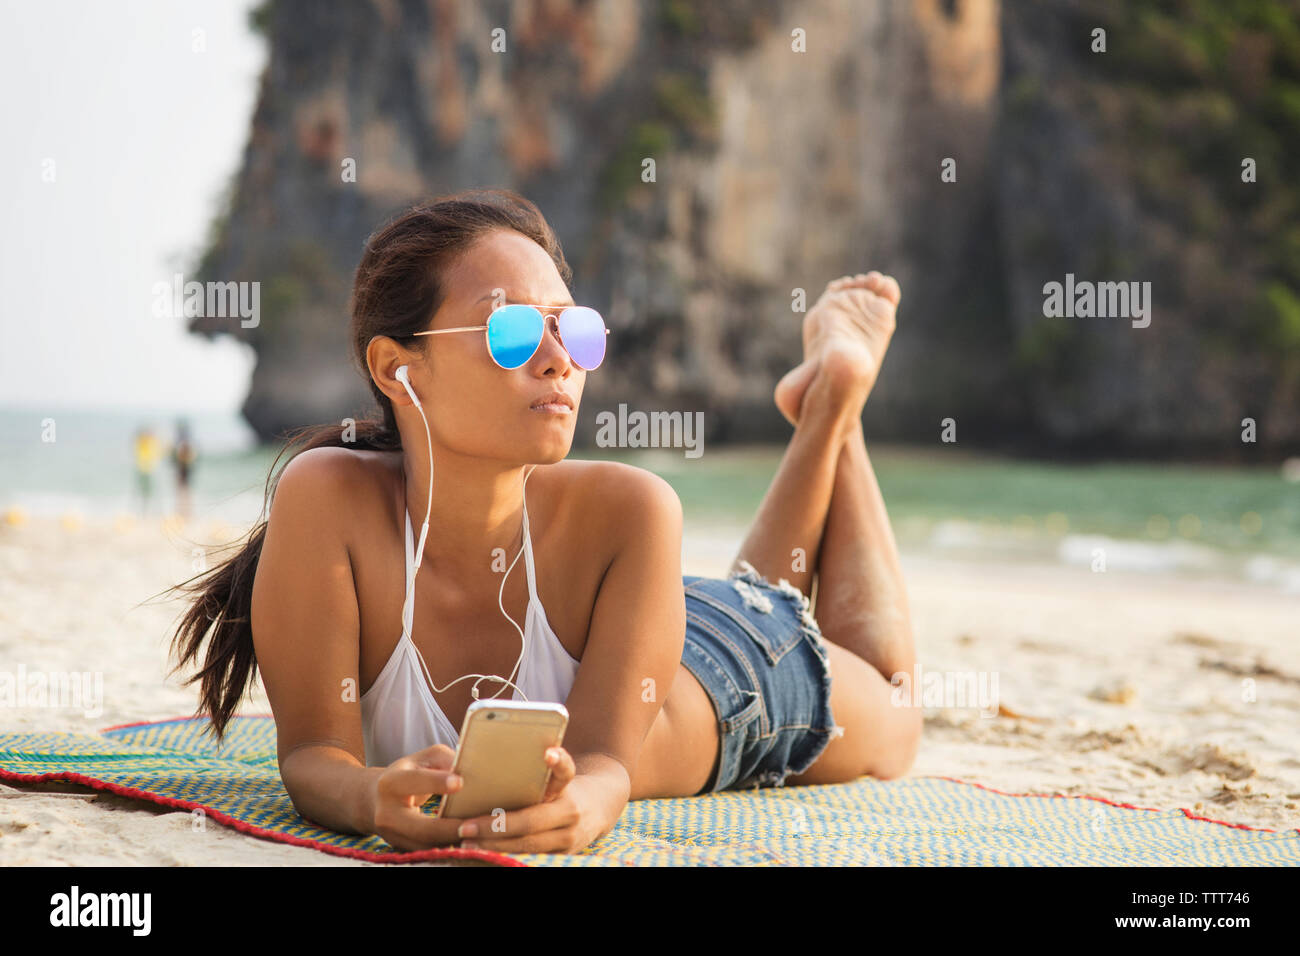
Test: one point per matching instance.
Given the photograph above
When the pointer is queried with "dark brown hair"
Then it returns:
(397, 289)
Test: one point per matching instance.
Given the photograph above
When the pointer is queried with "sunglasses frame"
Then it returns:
(546, 312)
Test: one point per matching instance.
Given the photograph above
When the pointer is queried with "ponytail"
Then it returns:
(223, 596)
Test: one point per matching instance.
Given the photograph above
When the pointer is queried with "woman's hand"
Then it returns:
(575, 810)
(403, 788)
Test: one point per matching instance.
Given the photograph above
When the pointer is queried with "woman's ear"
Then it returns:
(403, 375)
(385, 360)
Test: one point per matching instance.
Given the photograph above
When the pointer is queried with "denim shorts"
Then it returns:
(760, 656)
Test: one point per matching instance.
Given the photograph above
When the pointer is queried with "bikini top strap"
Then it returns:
(412, 565)
(408, 606)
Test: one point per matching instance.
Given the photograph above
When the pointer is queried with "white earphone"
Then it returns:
(408, 609)
(403, 376)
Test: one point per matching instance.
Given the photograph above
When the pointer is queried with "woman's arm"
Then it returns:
(306, 632)
(634, 645)
(638, 621)
(331, 787)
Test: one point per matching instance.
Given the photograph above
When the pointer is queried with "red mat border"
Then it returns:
(414, 856)
(453, 853)
(1127, 806)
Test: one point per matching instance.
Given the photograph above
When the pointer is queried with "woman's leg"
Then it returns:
(825, 507)
(785, 538)
(862, 611)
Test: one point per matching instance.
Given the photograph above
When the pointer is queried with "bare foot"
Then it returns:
(850, 326)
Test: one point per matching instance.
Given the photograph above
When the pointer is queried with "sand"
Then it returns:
(1147, 689)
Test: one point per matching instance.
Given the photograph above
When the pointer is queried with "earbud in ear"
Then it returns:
(402, 375)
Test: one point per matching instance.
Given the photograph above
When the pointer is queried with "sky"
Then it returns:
(139, 112)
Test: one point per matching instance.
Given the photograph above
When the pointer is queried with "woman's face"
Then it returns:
(475, 407)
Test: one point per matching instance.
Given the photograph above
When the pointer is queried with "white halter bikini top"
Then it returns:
(399, 714)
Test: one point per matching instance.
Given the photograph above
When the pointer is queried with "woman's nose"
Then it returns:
(553, 327)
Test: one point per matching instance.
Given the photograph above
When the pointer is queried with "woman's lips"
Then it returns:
(556, 403)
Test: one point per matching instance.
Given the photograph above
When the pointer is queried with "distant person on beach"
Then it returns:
(148, 450)
(183, 457)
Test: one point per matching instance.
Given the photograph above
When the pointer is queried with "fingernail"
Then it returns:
(468, 830)
(454, 780)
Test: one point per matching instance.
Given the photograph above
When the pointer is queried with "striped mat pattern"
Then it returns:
(933, 821)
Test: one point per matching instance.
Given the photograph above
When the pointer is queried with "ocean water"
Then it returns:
(89, 468)
(1140, 517)
(1131, 517)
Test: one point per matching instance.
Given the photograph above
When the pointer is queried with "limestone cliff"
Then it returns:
(776, 170)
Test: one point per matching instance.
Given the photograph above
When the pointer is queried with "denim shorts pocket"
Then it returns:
(771, 625)
(737, 734)
(748, 714)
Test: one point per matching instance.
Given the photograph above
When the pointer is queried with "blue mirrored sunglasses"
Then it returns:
(515, 332)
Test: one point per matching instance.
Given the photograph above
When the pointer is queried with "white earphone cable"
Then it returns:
(408, 612)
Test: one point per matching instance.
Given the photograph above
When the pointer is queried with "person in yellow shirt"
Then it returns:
(148, 451)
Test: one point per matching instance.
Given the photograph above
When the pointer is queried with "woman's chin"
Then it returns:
(552, 449)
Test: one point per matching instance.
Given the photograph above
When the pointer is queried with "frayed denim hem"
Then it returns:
(745, 578)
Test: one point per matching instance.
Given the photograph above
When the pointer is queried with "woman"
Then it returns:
(674, 686)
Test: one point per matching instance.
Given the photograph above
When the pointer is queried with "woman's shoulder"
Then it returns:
(612, 480)
(340, 480)
(612, 491)
(343, 467)
(599, 512)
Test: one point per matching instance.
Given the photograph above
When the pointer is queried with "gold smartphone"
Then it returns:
(501, 756)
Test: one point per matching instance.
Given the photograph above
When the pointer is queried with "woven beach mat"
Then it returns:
(928, 821)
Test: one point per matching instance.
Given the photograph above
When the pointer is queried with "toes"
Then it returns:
(877, 282)
(862, 278)
(892, 290)
(884, 285)
(846, 282)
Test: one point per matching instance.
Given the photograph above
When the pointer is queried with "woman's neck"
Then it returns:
(477, 508)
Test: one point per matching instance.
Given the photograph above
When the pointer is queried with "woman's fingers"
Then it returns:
(420, 774)
(562, 771)
(560, 840)
(495, 832)
(418, 782)
(408, 782)
(410, 828)
(400, 794)
(439, 757)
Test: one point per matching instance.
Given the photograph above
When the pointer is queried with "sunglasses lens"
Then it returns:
(514, 332)
(582, 331)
